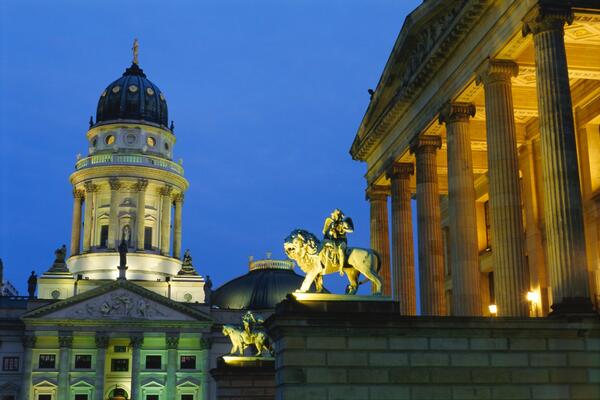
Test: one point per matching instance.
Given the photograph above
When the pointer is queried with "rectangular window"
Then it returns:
(103, 235)
(119, 365)
(47, 361)
(8, 397)
(153, 362)
(10, 363)
(151, 397)
(44, 397)
(120, 349)
(488, 225)
(83, 361)
(491, 288)
(187, 362)
(81, 397)
(148, 238)
(187, 397)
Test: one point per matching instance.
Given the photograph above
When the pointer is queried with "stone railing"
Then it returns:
(129, 159)
(271, 264)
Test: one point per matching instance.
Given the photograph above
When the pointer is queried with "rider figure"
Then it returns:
(334, 231)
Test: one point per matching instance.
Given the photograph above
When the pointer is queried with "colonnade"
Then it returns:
(562, 195)
(88, 197)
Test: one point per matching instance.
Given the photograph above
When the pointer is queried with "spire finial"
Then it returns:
(135, 51)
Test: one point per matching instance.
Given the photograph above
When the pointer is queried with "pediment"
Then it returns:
(120, 301)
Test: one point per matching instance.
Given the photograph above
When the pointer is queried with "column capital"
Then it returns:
(205, 343)
(492, 70)
(456, 112)
(400, 170)
(136, 341)
(178, 198)
(425, 144)
(141, 185)
(29, 340)
(78, 194)
(166, 190)
(547, 15)
(377, 193)
(65, 340)
(102, 341)
(172, 341)
(90, 187)
(114, 183)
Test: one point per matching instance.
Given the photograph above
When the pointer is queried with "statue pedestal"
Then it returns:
(251, 378)
(337, 297)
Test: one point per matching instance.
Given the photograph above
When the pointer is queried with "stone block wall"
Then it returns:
(367, 351)
(249, 379)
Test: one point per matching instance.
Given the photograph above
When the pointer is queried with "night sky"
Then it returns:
(266, 97)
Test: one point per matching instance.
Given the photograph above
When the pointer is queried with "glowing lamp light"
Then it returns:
(532, 297)
(493, 309)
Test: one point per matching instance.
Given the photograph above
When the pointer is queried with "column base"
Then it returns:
(572, 306)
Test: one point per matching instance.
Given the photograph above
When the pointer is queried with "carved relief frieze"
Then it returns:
(584, 30)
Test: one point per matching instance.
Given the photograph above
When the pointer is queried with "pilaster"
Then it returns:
(136, 344)
(101, 346)
(29, 341)
(172, 342)
(65, 342)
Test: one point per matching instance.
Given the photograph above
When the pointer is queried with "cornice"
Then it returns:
(128, 171)
(433, 58)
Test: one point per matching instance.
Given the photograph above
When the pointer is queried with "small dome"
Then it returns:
(267, 283)
(132, 97)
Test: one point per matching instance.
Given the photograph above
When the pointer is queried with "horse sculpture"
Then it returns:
(311, 256)
(240, 340)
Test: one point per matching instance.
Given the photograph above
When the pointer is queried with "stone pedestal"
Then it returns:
(380, 241)
(403, 258)
(246, 378)
(429, 226)
(510, 272)
(466, 293)
(562, 194)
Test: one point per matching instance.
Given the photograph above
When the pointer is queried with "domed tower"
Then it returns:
(128, 188)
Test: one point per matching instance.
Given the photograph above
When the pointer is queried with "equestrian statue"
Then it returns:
(251, 334)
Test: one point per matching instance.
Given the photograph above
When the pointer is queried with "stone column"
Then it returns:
(177, 226)
(113, 218)
(466, 294)
(64, 365)
(28, 345)
(380, 242)
(90, 188)
(508, 252)
(172, 341)
(403, 258)
(141, 186)
(78, 196)
(165, 220)
(429, 226)
(136, 345)
(101, 346)
(562, 194)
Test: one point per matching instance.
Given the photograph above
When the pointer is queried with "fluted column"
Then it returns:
(101, 346)
(380, 241)
(177, 226)
(403, 258)
(64, 365)
(466, 294)
(113, 221)
(136, 345)
(508, 252)
(165, 220)
(78, 196)
(90, 189)
(172, 342)
(562, 194)
(141, 186)
(28, 345)
(429, 226)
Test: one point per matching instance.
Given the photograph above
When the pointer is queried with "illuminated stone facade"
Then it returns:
(496, 104)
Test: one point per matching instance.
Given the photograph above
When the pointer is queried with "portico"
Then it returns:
(496, 106)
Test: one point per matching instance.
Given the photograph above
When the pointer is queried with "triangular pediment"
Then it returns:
(118, 301)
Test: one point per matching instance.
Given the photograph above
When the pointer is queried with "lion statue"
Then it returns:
(240, 340)
(310, 255)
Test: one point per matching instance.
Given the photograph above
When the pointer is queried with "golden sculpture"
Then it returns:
(335, 242)
(252, 334)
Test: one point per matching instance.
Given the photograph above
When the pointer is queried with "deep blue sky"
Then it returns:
(266, 97)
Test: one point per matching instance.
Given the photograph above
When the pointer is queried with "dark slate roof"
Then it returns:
(132, 97)
(257, 290)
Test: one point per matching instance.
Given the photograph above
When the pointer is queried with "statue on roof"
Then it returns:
(32, 284)
(59, 265)
(187, 268)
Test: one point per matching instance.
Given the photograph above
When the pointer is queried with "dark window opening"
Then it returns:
(10, 364)
(488, 225)
(44, 397)
(81, 397)
(187, 397)
(83, 361)
(188, 362)
(151, 397)
(47, 361)
(153, 362)
(491, 288)
(103, 235)
(120, 349)
(119, 365)
(148, 238)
